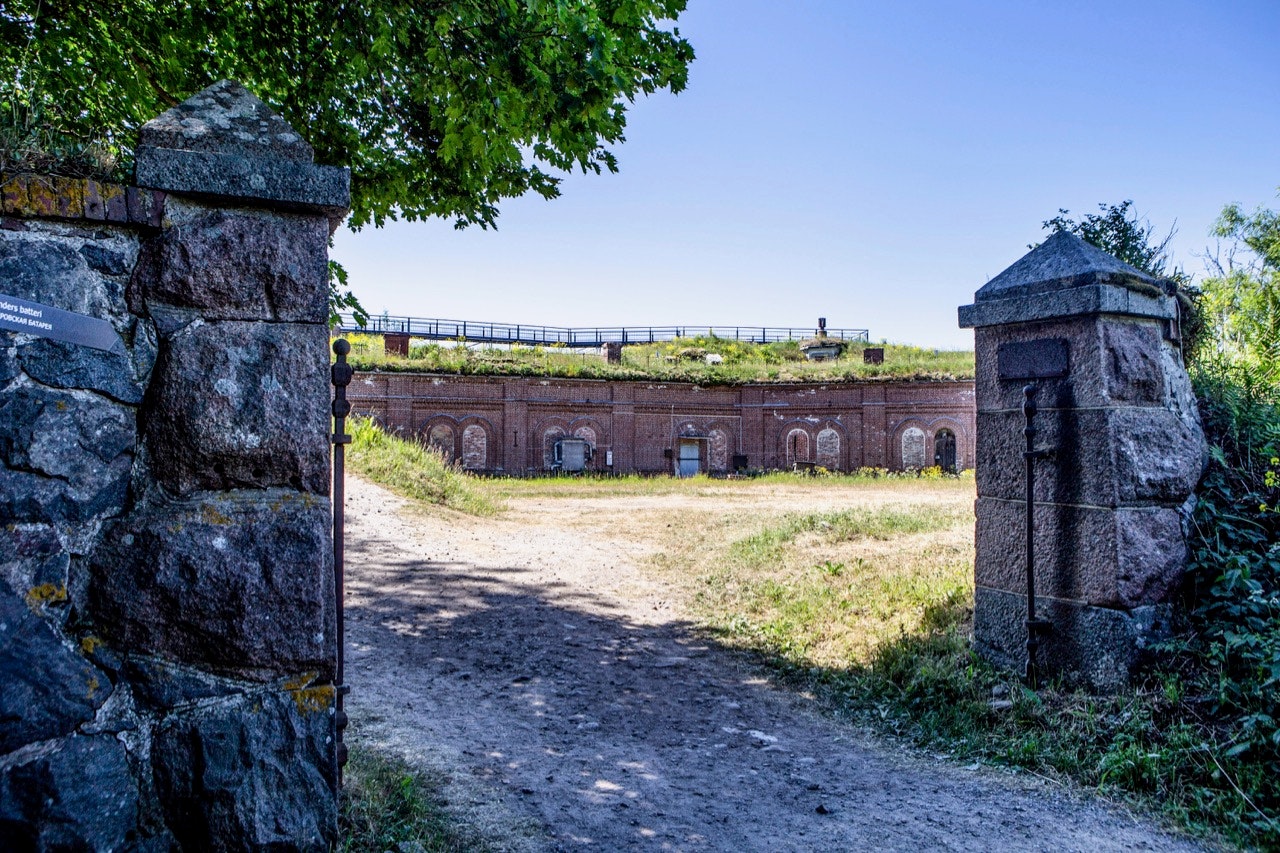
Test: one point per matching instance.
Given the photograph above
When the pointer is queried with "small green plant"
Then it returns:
(34, 138)
(831, 568)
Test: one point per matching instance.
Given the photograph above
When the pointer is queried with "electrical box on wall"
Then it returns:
(608, 458)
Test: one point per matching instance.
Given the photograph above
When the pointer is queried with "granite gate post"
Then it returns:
(1099, 341)
(167, 609)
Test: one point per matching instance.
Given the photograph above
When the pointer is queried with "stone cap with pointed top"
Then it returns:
(223, 141)
(1065, 277)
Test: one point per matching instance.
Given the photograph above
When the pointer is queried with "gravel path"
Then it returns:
(571, 707)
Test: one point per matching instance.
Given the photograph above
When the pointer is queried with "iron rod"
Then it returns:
(341, 374)
(1034, 626)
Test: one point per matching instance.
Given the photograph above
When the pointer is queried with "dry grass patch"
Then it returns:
(827, 588)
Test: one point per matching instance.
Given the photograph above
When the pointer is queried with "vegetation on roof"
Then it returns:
(681, 360)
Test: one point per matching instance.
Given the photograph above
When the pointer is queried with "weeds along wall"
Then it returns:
(167, 613)
(511, 424)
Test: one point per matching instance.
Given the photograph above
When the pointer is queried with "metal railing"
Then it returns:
(534, 335)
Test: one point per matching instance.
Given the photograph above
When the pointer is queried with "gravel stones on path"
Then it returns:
(570, 706)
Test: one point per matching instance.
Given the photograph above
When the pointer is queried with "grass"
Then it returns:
(675, 361)
(825, 589)
(414, 471)
(595, 485)
(384, 804)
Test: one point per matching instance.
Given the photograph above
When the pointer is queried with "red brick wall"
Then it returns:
(639, 422)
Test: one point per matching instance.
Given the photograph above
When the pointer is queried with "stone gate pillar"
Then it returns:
(1100, 341)
(167, 607)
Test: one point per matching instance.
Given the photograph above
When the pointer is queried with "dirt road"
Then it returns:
(571, 706)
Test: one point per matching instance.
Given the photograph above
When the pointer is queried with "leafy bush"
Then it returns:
(1233, 645)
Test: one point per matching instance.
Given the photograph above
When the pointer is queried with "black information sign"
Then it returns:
(32, 318)
(1041, 359)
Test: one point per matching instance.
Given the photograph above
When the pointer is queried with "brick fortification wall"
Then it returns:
(510, 425)
(167, 613)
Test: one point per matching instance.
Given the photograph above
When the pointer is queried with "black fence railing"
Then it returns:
(534, 335)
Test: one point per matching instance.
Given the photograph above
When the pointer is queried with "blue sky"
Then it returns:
(873, 163)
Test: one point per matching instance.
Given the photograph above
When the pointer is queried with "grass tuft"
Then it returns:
(385, 805)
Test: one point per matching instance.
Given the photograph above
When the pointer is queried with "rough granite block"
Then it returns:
(1112, 362)
(1110, 558)
(239, 265)
(240, 582)
(238, 404)
(1103, 457)
(284, 185)
(224, 142)
(1094, 647)
(48, 689)
(255, 773)
(78, 793)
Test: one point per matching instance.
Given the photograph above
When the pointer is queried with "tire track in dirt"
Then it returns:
(572, 707)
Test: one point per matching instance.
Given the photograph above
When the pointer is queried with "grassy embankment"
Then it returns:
(677, 361)
(867, 603)
(413, 470)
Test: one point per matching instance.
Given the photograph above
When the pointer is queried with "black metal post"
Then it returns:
(1035, 627)
(340, 373)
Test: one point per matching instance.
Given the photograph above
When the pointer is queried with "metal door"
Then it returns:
(573, 454)
(688, 463)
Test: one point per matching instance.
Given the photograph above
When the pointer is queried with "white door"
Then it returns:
(688, 462)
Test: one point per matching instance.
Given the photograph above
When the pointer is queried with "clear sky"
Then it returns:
(873, 163)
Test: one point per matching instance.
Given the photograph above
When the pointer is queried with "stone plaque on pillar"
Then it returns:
(1098, 339)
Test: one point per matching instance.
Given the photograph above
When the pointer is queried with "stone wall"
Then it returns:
(638, 426)
(1099, 342)
(167, 613)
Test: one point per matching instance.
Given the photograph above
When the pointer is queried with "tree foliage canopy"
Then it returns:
(1120, 232)
(440, 107)
(1242, 298)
